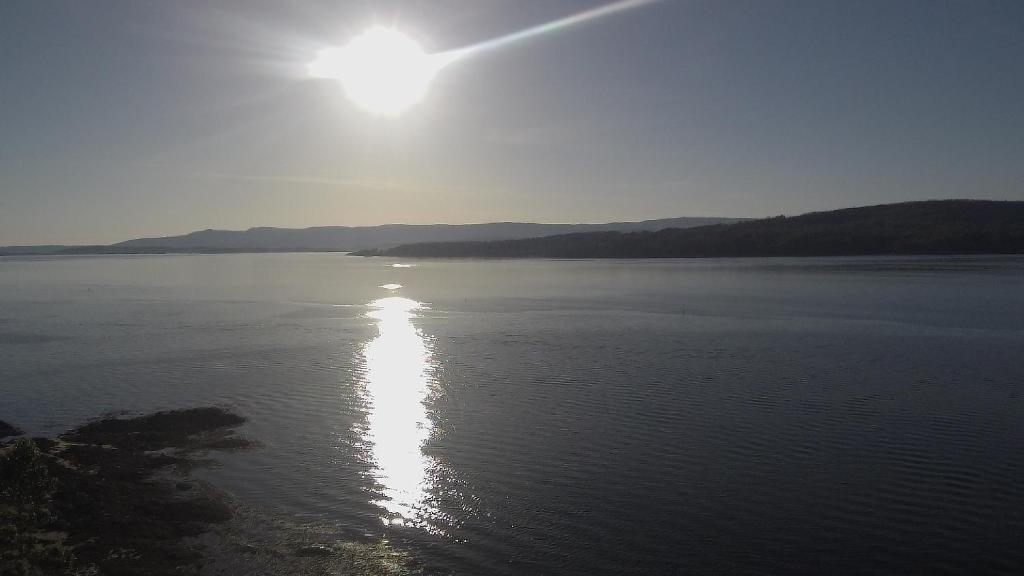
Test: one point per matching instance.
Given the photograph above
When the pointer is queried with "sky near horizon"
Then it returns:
(121, 119)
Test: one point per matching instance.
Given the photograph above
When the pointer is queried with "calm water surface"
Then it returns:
(784, 416)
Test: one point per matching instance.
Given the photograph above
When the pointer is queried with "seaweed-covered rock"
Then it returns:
(26, 488)
(95, 487)
(98, 501)
(8, 430)
(314, 550)
(195, 428)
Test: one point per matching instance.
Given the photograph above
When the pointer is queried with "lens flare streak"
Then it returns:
(554, 26)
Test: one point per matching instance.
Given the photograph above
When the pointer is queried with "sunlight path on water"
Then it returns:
(397, 382)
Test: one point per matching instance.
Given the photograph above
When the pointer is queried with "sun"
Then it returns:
(381, 70)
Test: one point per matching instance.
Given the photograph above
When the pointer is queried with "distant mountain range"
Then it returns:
(345, 238)
(930, 227)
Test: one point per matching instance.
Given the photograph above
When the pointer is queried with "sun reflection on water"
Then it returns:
(398, 363)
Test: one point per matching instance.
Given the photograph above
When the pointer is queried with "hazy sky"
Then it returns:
(134, 118)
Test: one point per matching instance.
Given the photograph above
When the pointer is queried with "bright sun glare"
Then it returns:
(385, 72)
(381, 70)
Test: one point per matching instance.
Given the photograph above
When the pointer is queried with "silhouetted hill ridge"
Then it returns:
(346, 238)
(927, 227)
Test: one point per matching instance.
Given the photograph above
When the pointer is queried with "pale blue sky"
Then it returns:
(123, 118)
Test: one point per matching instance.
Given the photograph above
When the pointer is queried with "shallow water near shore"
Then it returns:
(743, 416)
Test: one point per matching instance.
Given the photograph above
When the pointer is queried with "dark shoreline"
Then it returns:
(935, 227)
(115, 497)
(116, 251)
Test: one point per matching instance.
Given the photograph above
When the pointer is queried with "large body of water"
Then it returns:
(783, 416)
